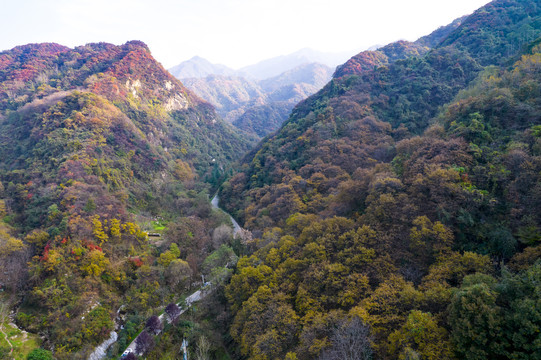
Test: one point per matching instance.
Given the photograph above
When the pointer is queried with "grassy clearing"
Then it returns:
(23, 343)
(158, 225)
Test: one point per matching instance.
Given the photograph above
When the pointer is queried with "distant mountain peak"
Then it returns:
(199, 58)
(198, 67)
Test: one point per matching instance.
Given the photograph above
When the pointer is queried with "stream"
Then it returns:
(100, 352)
(236, 226)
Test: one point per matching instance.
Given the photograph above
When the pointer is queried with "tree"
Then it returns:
(266, 325)
(154, 325)
(97, 324)
(422, 335)
(475, 319)
(97, 230)
(115, 229)
(131, 356)
(203, 349)
(94, 263)
(177, 272)
(144, 342)
(40, 354)
(429, 240)
(349, 341)
(224, 256)
(246, 281)
(502, 243)
(221, 235)
(170, 255)
(173, 311)
(498, 320)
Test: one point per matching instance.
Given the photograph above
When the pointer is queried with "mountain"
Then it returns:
(383, 55)
(258, 98)
(369, 60)
(396, 211)
(314, 73)
(280, 64)
(198, 67)
(230, 95)
(260, 107)
(97, 144)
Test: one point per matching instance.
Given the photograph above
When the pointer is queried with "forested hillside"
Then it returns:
(397, 210)
(100, 144)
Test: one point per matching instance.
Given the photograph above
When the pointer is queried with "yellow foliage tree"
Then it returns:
(94, 263)
(422, 335)
(114, 229)
(97, 230)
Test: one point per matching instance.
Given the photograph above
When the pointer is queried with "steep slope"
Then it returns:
(376, 202)
(264, 118)
(96, 141)
(368, 60)
(518, 23)
(434, 38)
(197, 67)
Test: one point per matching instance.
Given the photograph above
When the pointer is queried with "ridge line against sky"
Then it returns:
(235, 33)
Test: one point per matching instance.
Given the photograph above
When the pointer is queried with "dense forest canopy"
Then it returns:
(403, 198)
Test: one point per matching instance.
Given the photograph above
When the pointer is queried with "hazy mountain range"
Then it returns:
(197, 67)
(258, 106)
(277, 65)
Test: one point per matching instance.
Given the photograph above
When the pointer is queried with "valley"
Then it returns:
(386, 205)
(256, 105)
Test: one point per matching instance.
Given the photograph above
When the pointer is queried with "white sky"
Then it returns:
(231, 32)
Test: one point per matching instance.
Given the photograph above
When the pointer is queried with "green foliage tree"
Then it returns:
(497, 319)
(97, 325)
(170, 255)
(40, 354)
(422, 335)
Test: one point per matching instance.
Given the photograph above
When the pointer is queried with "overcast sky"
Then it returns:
(231, 32)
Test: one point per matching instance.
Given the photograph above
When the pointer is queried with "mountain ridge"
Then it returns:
(96, 143)
(381, 208)
(197, 67)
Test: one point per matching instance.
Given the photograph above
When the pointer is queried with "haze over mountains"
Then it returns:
(198, 67)
(259, 97)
